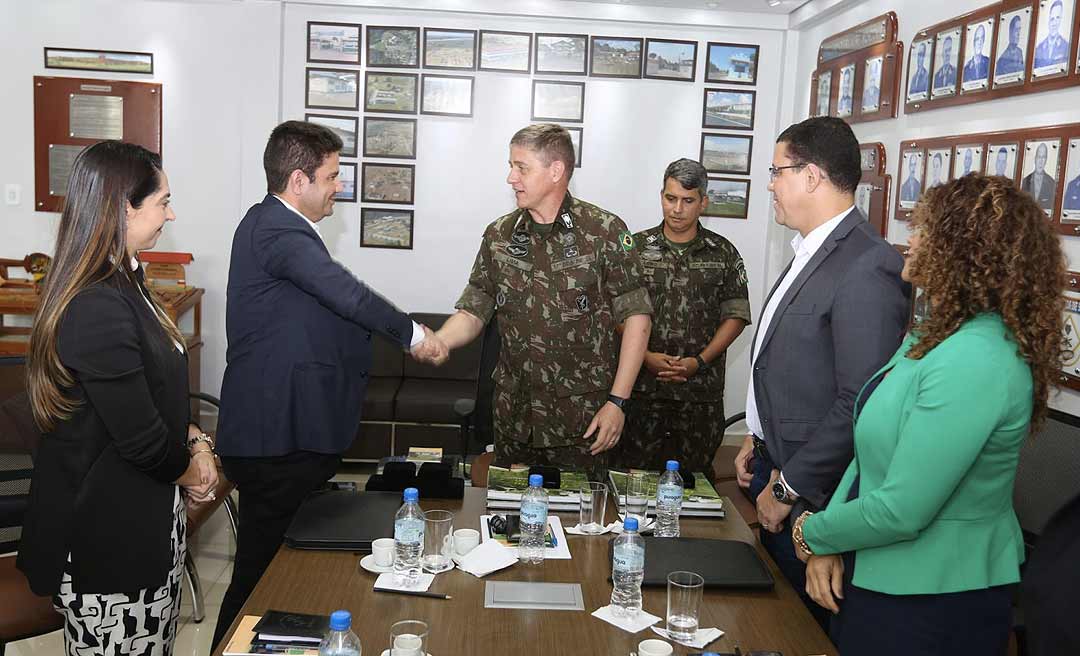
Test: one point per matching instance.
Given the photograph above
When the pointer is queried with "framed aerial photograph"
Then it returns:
(390, 93)
(447, 95)
(331, 88)
(347, 175)
(561, 53)
(450, 49)
(723, 153)
(967, 159)
(386, 228)
(1001, 160)
(732, 63)
(110, 61)
(558, 101)
(728, 109)
(506, 52)
(345, 127)
(575, 138)
(389, 137)
(387, 183)
(1040, 171)
(729, 198)
(666, 59)
(393, 47)
(614, 56)
(333, 43)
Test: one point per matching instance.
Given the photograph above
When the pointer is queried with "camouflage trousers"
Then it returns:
(661, 430)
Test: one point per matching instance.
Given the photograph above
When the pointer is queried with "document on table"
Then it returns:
(560, 551)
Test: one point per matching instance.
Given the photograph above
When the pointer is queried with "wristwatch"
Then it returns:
(619, 402)
(701, 364)
(780, 493)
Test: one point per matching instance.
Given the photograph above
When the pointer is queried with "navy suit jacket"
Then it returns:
(299, 329)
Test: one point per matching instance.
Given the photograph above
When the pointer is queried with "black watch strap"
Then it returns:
(701, 364)
(619, 401)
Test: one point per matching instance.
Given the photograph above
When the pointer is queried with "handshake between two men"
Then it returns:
(431, 350)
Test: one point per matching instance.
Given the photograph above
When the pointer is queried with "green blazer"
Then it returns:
(936, 449)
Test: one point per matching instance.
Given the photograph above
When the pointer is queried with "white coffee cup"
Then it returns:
(383, 550)
(465, 540)
(654, 647)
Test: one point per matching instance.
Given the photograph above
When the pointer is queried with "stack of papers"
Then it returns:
(489, 557)
(505, 487)
(701, 501)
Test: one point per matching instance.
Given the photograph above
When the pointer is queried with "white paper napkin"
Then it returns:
(702, 638)
(638, 622)
(386, 582)
(576, 529)
(487, 558)
(645, 526)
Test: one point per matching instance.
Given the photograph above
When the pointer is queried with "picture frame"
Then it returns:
(1053, 39)
(978, 39)
(845, 92)
(1011, 53)
(824, 94)
(565, 54)
(450, 49)
(871, 88)
(505, 52)
(864, 192)
(728, 109)
(391, 93)
(1070, 339)
(333, 43)
(1001, 159)
(576, 138)
(393, 47)
(729, 198)
(731, 63)
(1070, 202)
(345, 127)
(946, 58)
(347, 175)
(390, 184)
(726, 153)
(967, 159)
(558, 101)
(868, 159)
(110, 61)
(615, 56)
(938, 167)
(920, 63)
(447, 95)
(911, 178)
(670, 59)
(1039, 173)
(331, 88)
(386, 228)
(389, 137)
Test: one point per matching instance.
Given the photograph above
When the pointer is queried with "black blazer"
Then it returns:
(299, 329)
(103, 485)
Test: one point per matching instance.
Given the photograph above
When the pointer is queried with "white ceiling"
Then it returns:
(762, 6)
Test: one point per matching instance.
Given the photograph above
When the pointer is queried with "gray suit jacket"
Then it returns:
(839, 322)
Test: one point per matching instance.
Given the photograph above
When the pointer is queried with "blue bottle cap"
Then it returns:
(412, 494)
(673, 465)
(630, 524)
(340, 620)
(536, 480)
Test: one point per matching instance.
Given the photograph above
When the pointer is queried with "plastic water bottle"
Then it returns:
(534, 514)
(669, 493)
(408, 539)
(627, 570)
(340, 641)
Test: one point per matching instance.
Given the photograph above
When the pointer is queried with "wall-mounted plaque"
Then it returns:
(858, 77)
(96, 117)
(858, 38)
(61, 160)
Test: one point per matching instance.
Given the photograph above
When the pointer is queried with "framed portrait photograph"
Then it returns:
(1040, 171)
(331, 88)
(575, 139)
(1001, 160)
(729, 198)
(938, 167)
(946, 56)
(333, 43)
(386, 228)
(726, 153)
(1070, 338)
(390, 137)
(393, 47)
(1053, 38)
(390, 93)
(387, 183)
(975, 75)
(731, 109)
(347, 175)
(447, 95)
(1014, 29)
(731, 63)
(506, 52)
(558, 101)
(449, 49)
(864, 192)
(667, 59)
(846, 91)
(967, 159)
(868, 159)
(345, 127)
(565, 54)
(1070, 202)
(615, 56)
(111, 61)
(871, 93)
(918, 80)
(824, 94)
(911, 185)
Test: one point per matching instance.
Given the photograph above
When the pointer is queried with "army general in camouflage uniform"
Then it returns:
(697, 283)
(558, 274)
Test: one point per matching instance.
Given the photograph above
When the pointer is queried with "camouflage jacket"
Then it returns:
(693, 291)
(557, 296)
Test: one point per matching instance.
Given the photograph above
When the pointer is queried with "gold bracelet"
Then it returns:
(201, 437)
(797, 534)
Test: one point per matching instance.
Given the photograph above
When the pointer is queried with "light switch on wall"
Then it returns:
(12, 194)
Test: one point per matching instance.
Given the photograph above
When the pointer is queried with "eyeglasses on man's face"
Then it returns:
(775, 171)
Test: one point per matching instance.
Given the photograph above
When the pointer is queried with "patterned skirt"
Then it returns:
(140, 623)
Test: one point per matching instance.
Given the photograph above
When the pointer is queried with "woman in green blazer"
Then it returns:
(920, 541)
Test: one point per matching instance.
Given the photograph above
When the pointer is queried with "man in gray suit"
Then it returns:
(837, 313)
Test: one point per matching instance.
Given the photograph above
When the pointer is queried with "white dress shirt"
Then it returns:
(417, 330)
(804, 248)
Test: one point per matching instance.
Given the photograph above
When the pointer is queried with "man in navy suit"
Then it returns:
(978, 67)
(299, 330)
(1012, 60)
(920, 77)
(946, 76)
(1053, 49)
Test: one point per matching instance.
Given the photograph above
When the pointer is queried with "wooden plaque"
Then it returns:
(872, 194)
(1070, 370)
(847, 61)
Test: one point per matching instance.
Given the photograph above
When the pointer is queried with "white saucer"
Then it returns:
(386, 652)
(368, 563)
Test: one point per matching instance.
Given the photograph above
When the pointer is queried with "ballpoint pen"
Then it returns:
(416, 593)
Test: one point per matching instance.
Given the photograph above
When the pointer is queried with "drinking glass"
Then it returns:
(593, 505)
(438, 541)
(683, 600)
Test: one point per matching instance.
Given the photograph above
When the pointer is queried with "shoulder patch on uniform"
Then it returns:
(627, 240)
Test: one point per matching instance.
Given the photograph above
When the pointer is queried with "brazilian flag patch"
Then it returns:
(627, 240)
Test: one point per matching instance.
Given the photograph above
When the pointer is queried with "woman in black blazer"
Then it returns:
(107, 378)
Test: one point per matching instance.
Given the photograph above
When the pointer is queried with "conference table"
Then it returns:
(322, 581)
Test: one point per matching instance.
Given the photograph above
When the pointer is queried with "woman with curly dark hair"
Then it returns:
(920, 541)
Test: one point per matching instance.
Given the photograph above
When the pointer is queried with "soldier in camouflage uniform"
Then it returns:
(697, 283)
(558, 274)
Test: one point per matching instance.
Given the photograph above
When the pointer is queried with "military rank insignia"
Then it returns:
(627, 240)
